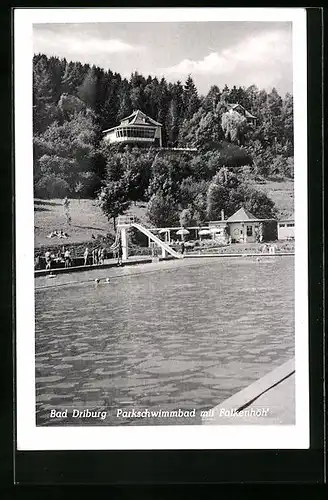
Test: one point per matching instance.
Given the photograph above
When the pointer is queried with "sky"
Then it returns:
(213, 53)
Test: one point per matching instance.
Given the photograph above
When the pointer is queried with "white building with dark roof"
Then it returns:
(137, 128)
(242, 227)
(242, 111)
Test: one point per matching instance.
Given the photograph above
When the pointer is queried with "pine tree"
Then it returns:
(44, 110)
(137, 85)
(287, 116)
(175, 113)
(73, 77)
(151, 93)
(233, 95)
(163, 105)
(190, 98)
(225, 95)
(56, 70)
(88, 90)
(212, 98)
(250, 99)
(125, 106)
(172, 123)
(109, 110)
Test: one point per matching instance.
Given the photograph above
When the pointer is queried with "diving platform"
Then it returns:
(126, 222)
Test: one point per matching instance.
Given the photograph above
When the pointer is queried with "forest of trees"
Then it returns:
(73, 103)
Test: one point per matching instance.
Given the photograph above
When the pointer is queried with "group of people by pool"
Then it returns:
(64, 255)
(96, 256)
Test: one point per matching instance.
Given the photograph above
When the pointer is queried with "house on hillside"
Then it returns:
(136, 128)
(251, 119)
(286, 229)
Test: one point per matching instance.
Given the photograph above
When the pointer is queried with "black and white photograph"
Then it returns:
(161, 228)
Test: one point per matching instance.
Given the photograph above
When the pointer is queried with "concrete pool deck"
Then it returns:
(240, 254)
(142, 259)
(145, 259)
(269, 401)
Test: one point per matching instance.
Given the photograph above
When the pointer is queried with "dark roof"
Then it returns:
(241, 215)
(136, 118)
(236, 105)
(139, 118)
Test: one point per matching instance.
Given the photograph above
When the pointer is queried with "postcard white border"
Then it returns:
(30, 437)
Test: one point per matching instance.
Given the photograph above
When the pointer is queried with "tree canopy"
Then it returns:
(74, 102)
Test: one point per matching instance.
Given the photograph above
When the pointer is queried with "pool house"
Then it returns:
(241, 227)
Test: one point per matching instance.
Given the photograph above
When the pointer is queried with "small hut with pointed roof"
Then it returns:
(136, 128)
(245, 228)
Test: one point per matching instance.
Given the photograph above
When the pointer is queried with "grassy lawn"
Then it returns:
(88, 219)
(282, 193)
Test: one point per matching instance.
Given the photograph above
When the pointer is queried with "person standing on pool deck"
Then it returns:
(48, 260)
(86, 255)
(100, 256)
(119, 253)
(182, 247)
(67, 257)
(94, 256)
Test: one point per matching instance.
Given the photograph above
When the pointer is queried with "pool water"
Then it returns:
(185, 335)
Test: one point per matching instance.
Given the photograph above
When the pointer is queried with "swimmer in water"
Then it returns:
(107, 280)
(97, 280)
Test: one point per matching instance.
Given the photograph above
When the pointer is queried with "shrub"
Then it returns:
(51, 186)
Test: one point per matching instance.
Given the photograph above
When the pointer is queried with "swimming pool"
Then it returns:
(177, 334)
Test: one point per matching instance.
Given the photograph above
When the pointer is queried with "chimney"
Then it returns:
(222, 214)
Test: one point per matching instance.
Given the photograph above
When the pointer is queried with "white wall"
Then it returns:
(285, 230)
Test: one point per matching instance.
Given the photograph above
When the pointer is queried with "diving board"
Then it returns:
(126, 222)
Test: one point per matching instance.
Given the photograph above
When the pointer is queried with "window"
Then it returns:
(281, 225)
(290, 225)
(249, 230)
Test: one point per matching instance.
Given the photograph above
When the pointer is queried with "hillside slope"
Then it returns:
(282, 193)
(88, 219)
